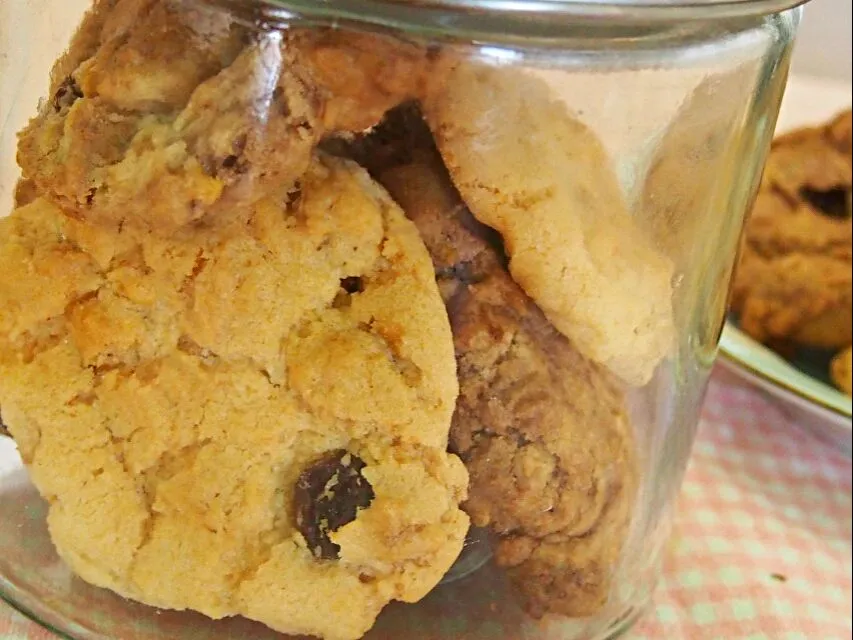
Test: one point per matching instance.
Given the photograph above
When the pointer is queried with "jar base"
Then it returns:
(475, 578)
(624, 623)
(475, 553)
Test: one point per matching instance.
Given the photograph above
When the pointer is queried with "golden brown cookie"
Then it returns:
(165, 112)
(809, 165)
(360, 76)
(842, 370)
(793, 282)
(245, 420)
(542, 429)
(542, 179)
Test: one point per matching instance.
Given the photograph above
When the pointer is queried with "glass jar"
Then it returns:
(309, 308)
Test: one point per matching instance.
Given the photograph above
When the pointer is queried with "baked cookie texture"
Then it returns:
(261, 408)
(542, 429)
(841, 370)
(246, 347)
(539, 177)
(165, 113)
(793, 281)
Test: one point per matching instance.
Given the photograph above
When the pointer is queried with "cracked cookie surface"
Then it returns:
(542, 429)
(176, 401)
(543, 180)
(793, 282)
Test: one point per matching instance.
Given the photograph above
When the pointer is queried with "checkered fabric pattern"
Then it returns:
(763, 534)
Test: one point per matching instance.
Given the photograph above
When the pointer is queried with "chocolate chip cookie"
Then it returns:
(240, 420)
(540, 177)
(793, 282)
(542, 429)
(166, 113)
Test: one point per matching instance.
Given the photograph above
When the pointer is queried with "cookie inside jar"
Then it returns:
(290, 312)
(542, 429)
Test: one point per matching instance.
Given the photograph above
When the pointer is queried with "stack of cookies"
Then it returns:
(793, 284)
(249, 374)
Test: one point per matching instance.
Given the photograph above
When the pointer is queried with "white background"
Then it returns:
(823, 48)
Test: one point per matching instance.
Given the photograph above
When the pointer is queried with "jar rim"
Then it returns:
(658, 9)
(510, 20)
(616, 10)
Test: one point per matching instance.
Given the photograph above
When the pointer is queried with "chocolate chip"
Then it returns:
(327, 496)
(279, 99)
(234, 162)
(352, 284)
(349, 286)
(3, 430)
(294, 198)
(833, 203)
(66, 94)
(465, 272)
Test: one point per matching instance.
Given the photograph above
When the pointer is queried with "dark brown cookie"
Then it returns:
(543, 430)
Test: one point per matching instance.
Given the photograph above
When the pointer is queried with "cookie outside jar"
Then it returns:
(415, 265)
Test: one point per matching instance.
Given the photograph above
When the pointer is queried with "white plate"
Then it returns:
(812, 401)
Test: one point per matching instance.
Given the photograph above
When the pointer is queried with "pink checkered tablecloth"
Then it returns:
(763, 535)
